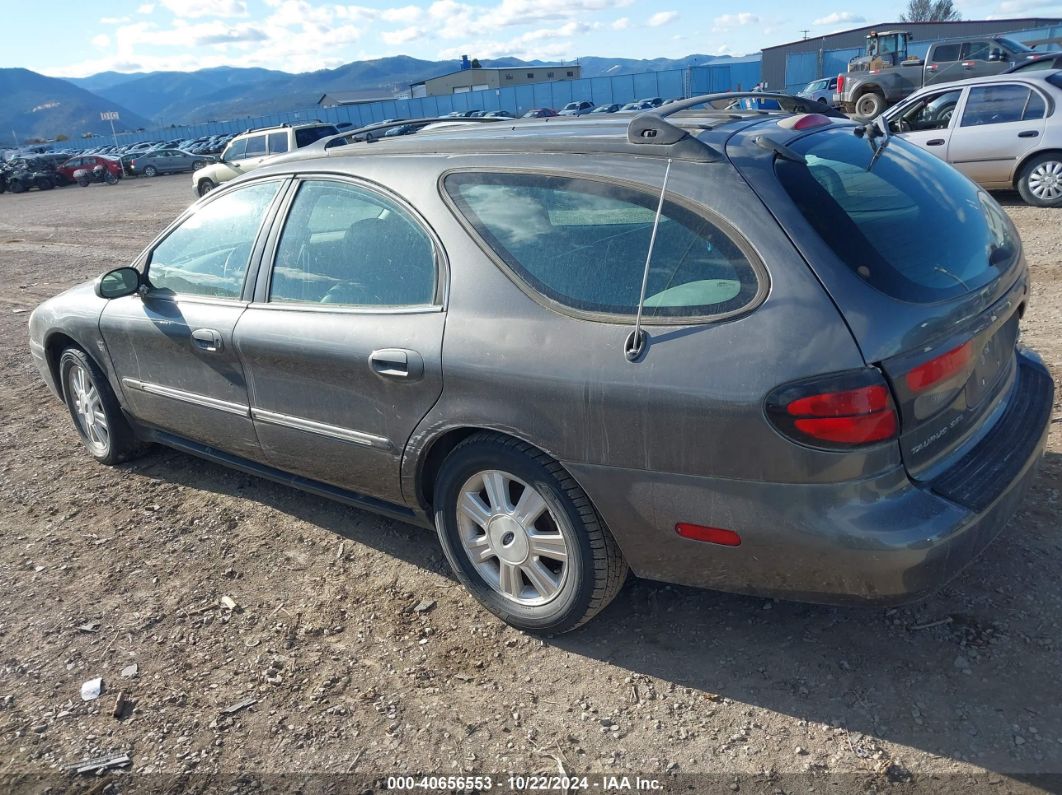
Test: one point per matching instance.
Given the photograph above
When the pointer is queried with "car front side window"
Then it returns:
(348, 246)
(208, 253)
(583, 243)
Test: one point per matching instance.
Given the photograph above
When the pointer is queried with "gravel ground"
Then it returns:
(104, 568)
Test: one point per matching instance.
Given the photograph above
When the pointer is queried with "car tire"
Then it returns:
(111, 178)
(151, 171)
(16, 186)
(43, 183)
(205, 186)
(870, 105)
(198, 164)
(482, 495)
(95, 410)
(83, 182)
(1040, 180)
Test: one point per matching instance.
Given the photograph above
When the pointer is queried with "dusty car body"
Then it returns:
(775, 412)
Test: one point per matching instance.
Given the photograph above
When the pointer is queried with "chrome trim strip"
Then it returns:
(321, 429)
(188, 397)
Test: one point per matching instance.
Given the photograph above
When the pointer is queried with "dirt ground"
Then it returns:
(102, 568)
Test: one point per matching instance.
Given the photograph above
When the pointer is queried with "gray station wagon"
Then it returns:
(770, 353)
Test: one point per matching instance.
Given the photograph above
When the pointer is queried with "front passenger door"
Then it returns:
(927, 122)
(343, 343)
(172, 347)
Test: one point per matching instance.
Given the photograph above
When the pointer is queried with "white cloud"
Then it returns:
(145, 9)
(206, 8)
(731, 21)
(838, 18)
(621, 24)
(402, 36)
(101, 41)
(661, 18)
(114, 20)
(403, 14)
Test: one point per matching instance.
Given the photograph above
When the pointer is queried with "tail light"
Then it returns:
(838, 411)
(940, 369)
(840, 84)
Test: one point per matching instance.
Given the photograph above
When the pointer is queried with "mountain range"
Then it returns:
(40, 106)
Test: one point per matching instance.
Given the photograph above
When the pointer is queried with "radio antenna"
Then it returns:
(635, 343)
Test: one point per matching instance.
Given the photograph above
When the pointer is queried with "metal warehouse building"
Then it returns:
(791, 66)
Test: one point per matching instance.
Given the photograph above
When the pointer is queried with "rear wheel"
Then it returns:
(94, 408)
(205, 186)
(198, 164)
(111, 178)
(1040, 181)
(83, 182)
(151, 171)
(43, 183)
(17, 186)
(522, 536)
(869, 105)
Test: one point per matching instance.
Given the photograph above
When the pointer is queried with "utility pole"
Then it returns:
(805, 35)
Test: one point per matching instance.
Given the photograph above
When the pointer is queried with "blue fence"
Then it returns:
(732, 75)
(803, 67)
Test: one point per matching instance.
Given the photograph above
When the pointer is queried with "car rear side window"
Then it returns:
(307, 135)
(278, 143)
(908, 224)
(946, 52)
(1000, 104)
(346, 245)
(583, 243)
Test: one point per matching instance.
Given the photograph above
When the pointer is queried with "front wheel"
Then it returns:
(523, 537)
(83, 182)
(151, 171)
(43, 183)
(95, 410)
(1040, 181)
(869, 106)
(111, 178)
(198, 164)
(204, 187)
(17, 186)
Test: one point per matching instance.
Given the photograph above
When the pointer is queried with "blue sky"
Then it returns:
(302, 35)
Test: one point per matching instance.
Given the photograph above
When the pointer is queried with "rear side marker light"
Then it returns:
(840, 411)
(711, 535)
(943, 367)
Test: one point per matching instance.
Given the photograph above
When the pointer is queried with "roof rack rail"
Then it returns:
(653, 128)
(372, 132)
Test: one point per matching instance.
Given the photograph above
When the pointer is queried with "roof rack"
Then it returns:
(652, 126)
(373, 132)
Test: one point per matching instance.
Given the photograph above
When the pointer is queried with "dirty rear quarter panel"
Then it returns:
(692, 405)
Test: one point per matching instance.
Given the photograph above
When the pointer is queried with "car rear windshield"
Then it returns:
(905, 222)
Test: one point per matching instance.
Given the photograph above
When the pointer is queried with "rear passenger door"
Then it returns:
(942, 64)
(342, 344)
(1001, 122)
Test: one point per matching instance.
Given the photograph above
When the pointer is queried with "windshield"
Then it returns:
(904, 221)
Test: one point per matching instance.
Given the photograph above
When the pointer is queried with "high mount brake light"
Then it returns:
(941, 368)
(838, 411)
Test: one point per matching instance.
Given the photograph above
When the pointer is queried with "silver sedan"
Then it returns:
(1000, 131)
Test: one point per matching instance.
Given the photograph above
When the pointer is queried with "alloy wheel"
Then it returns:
(512, 538)
(88, 409)
(1045, 181)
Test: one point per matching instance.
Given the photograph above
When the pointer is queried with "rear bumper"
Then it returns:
(884, 539)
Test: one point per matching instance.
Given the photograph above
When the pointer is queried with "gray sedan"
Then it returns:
(167, 161)
(743, 350)
(1001, 131)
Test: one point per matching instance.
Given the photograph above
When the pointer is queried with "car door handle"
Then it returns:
(1029, 134)
(397, 363)
(207, 339)
(935, 142)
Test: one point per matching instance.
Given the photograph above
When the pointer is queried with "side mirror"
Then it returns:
(118, 283)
